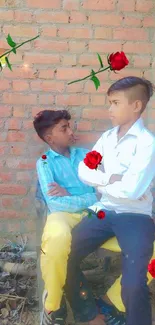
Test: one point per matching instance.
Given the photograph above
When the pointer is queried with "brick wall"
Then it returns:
(71, 32)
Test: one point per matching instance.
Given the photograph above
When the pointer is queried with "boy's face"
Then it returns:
(61, 135)
(123, 111)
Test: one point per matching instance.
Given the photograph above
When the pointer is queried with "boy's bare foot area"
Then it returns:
(98, 320)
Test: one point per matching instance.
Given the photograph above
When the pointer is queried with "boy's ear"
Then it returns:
(138, 106)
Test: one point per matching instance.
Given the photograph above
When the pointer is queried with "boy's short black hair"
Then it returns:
(48, 118)
(143, 88)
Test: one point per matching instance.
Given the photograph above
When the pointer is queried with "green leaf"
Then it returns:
(92, 72)
(8, 63)
(1, 68)
(100, 60)
(14, 50)
(96, 82)
(10, 41)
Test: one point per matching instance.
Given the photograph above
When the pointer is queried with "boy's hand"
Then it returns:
(57, 190)
(115, 178)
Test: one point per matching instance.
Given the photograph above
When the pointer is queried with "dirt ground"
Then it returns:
(19, 301)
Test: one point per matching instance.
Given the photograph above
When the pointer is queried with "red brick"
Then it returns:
(54, 46)
(54, 17)
(36, 110)
(48, 86)
(84, 126)
(137, 47)
(46, 74)
(29, 226)
(14, 124)
(16, 136)
(71, 5)
(2, 3)
(20, 85)
(20, 112)
(103, 33)
(137, 34)
(8, 202)
(98, 4)
(72, 100)
(23, 16)
(17, 150)
(42, 58)
(104, 47)
(13, 98)
(49, 32)
(20, 32)
(142, 62)
(3, 149)
(21, 73)
(4, 84)
(46, 99)
(68, 59)
(23, 176)
(48, 4)
(89, 60)
(144, 5)
(74, 88)
(87, 137)
(70, 73)
(132, 21)
(89, 87)
(6, 15)
(12, 189)
(95, 114)
(105, 19)
(27, 164)
(27, 124)
(5, 177)
(98, 100)
(77, 17)
(11, 214)
(5, 111)
(126, 5)
(149, 21)
(18, 58)
(2, 122)
(125, 73)
(77, 47)
(102, 125)
(75, 32)
(13, 227)
(3, 136)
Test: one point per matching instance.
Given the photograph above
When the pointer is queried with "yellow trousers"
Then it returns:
(56, 244)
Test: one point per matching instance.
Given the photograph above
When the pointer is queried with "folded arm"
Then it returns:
(90, 176)
(138, 177)
(66, 203)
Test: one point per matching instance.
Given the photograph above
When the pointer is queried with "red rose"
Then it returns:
(118, 61)
(151, 268)
(100, 214)
(44, 157)
(93, 159)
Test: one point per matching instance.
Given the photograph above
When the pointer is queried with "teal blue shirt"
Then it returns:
(64, 171)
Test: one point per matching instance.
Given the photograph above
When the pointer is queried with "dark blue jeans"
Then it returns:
(135, 234)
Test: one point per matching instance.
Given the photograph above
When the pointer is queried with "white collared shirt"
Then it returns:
(133, 156)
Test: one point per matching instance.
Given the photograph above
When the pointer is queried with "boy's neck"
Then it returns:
(62, 151)
(123, 129)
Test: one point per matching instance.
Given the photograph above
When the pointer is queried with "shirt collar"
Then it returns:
(134, 130)
(56, 154)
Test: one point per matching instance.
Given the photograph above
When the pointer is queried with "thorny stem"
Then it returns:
(90, 75)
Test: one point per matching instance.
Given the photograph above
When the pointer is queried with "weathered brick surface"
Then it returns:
(71, 32)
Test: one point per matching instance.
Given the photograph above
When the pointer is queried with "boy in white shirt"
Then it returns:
(128, 152)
